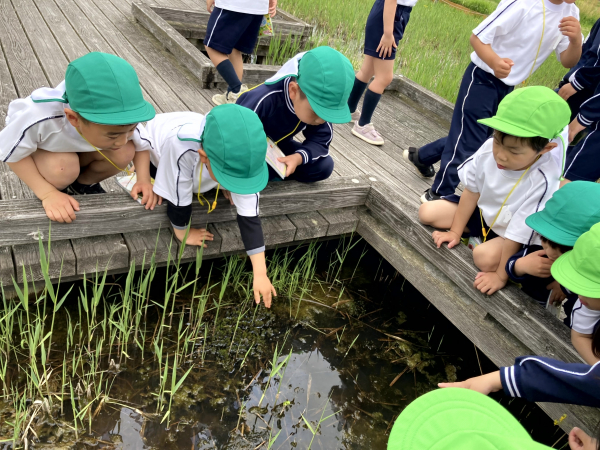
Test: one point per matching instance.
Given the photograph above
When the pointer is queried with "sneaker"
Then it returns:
(355, 116)
(429, 196)
(228, 97)
(412, 156)
(84, 189)
(367, 133)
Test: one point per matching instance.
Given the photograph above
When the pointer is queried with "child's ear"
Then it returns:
(293, 90)
(548, 147)
(72, 117)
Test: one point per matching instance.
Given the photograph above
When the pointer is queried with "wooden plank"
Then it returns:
(62, 260)
(309, 225)
(100, 253)
(472, 320)
(10, 184)
(7, 89)
(18, 219)
(277, 230)
(341, 220)
(143, 245)
(48, 52)
(7, 268)
(230, 234)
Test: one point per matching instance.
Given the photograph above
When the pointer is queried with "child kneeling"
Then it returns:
(194, 154)
(509, 178)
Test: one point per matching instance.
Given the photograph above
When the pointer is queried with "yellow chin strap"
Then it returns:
(129, 172)
(212, 207)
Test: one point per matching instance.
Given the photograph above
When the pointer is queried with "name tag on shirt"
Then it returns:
(505, 216)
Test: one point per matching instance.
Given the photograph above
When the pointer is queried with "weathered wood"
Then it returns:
(18, 219)
(212, 247)
(143, 245)
(470, 318)
(7, 267)
(100, 253)
(309, 225)
(10, 185)
(61, 259)
(7, 88)
(230, 233)
(277, 230)
(341, 220)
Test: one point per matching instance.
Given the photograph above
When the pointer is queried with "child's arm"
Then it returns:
(500, 66)
(490, 382)
(59, 206)
(490, 282)
(388, 43)
(261, 285)
(466, 206)
(583, 345)
(533, 264)
(570, 27)
(141, 161)
(314, 147)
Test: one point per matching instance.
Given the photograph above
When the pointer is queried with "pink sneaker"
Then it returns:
(368, 133)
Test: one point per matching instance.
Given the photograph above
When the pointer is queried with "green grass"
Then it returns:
(435, 50)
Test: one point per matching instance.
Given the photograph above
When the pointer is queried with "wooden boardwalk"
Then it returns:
(372, 190)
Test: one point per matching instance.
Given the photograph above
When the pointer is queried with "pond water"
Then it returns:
(345, 347)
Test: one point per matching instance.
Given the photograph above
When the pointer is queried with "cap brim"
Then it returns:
(142, 114)
(507, 127)
(538, 223)
(341, 115)
(563, 271)
(242, 186)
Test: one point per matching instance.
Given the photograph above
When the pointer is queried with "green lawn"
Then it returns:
(435, 50)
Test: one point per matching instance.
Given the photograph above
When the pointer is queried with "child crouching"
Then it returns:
(509, 178)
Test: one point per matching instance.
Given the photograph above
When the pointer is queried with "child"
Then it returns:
(232, 30)
(385, 27)
(308, 94)
(66, 140)
(579, 271)
(509, 45)
(509, 178)
(570, 212)
(194, 154)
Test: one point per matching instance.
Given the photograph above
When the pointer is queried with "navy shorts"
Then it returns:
(374, 28)
(476, 227)
(227, 30)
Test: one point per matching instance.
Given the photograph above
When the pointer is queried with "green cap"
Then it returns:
(530, 112)
(571, 211)
(105, 89)
(455, 418)
(236, 145)
(326, 77)
(579, 269)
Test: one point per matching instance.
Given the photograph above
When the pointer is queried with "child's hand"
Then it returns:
(574, 128)
(386, 46)
(60, 207)
(272, 7)
(579, 440)
(536, 265)
(488, 282)
(439, 237)
(291, 161)
(557, 295)
(502, 67)
(566, 91)
(196, 236)
(484, 384)
(570, 27)
(210, 4)
(149, 198)
(262, 286)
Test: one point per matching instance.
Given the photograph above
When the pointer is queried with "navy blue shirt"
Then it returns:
(275, 109)
(540, 379)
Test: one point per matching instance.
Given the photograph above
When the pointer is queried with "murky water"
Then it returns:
(348, 359)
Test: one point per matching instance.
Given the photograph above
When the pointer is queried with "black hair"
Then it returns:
(537, 143)
(555, 246)
(302, 94)
(83, 119)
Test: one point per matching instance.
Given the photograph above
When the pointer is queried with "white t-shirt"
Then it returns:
(175, 144)
(583, 319)
(244, 6)
(407, 2)
(480, 174)
(38, 122)
(514, 31)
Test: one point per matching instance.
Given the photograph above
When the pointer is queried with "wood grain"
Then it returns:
(7, 268)
(341, 220)
(100, 253)
(309, 225)
(61, 260)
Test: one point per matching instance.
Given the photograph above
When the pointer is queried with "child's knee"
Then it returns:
(62, 170)
(427, 213)
(385, 79)
(124, 155)
(484, 260)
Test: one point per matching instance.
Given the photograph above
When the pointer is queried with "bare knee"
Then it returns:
(428, 213)
(60, 170)
(383, 80)
(124, 155)
(485, 260)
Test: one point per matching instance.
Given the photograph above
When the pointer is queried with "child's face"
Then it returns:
(304, 111)
(205, 160)
(591, 303)
(104, 137)
(514, 154)
(551, 253)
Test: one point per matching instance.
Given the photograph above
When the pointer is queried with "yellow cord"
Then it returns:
(214, 204)
(483, 230)
(289, 134)
(129, 172)
(539, 46)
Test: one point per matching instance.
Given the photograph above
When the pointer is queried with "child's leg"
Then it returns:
(237, 61)
(58, 169)
(384, 74)
(363, 76)
(438, 214)
(96, 168)
(226, 69)
(487, 256)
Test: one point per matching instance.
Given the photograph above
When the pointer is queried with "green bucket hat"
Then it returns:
(530, 112)
(579, 269)
(326, 77)
(105, 89)
(236, 145)
(571, 211)
(455, 418)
